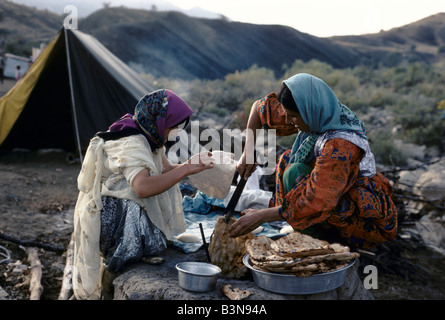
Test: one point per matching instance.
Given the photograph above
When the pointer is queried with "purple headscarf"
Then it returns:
(154, 113)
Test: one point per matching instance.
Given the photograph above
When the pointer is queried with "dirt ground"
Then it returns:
(37, 197)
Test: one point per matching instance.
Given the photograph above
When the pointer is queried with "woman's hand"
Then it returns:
(252, 219)
(200, 162)
(147, 186)
(245, 168)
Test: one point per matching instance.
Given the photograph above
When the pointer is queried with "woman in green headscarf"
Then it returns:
(327, 185)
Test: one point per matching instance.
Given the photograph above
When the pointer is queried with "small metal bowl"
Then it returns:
(291, 284)
(197, 276)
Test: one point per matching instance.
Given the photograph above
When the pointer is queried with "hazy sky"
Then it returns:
(323, 18)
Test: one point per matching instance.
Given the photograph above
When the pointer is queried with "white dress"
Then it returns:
(108, 170)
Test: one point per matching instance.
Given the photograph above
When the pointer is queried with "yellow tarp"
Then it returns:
(13, 102)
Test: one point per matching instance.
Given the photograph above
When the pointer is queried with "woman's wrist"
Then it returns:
(185, 169)
(271, 214)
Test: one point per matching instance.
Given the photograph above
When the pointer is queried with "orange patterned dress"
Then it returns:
(334, 198)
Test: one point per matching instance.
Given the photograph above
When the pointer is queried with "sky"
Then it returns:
(323, 18)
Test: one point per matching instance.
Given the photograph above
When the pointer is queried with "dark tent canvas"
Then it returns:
(74, 89)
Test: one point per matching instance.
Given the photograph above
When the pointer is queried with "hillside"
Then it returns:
(423, 39)
(175, 45)
(171, 44)
(22, 27)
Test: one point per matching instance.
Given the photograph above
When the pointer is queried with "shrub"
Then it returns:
(414, 92)
(384, 149)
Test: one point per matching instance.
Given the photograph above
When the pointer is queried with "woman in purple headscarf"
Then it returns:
(129, 202)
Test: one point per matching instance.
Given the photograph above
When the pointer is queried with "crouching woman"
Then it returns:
(129, 201)
(327, 186)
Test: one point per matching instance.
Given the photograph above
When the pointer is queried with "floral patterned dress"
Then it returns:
(334, 199)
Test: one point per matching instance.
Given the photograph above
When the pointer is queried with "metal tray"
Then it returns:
(290, 284)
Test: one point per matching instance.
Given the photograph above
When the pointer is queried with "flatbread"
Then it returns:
(259, 249)
(226, 252)
(235, 293)
(302, 263)
(309, 256)
(297, 244)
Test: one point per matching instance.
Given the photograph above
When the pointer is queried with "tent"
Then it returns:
(75, 88)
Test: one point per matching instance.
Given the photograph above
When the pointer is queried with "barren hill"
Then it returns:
(23, 26)
(423, 39)
(173, 44)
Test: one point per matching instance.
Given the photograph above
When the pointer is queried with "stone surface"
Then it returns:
(432, 231)
(431, 183)
(3, 294)
(143, 281)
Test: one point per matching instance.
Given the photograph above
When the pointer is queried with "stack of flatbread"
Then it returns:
(298, 254)
(226, 252)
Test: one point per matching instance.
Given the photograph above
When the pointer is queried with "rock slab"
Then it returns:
(143, 281)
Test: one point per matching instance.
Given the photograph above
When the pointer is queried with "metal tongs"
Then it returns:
(230, 209)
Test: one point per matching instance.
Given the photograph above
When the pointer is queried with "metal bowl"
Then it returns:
(197, 276)
(290, 284)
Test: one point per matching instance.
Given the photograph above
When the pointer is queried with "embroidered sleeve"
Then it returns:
(273, 116)
(312, 199)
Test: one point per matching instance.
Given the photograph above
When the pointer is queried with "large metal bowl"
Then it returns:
(291, 284)
(197, 276)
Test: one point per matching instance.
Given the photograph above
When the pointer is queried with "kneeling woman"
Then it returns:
(327, 185)
(129, 202)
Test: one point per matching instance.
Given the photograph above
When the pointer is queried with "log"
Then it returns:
(31, 243)
(5, 254)
(35, 287)
(67, 284)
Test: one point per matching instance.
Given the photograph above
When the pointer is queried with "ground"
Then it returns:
(37, 196)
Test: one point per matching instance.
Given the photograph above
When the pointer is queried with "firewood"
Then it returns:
(31, 243)
(67, 284)
(35, 287)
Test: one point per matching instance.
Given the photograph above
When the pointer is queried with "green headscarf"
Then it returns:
(321, 110)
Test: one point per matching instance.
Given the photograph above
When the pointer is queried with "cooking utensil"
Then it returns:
(291, 284)
(206, 247)
(230, 209)
(197, 276)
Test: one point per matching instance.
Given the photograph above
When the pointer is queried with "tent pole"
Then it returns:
(73, 103)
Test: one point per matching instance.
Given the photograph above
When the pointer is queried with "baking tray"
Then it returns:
(291, 284)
